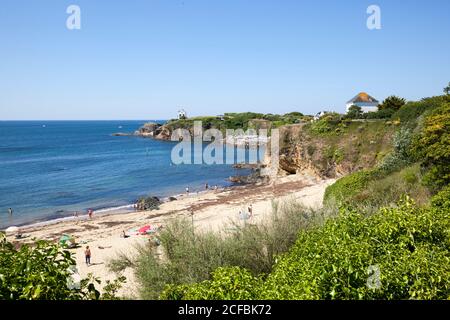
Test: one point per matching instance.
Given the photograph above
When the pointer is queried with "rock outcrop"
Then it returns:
(334, 155)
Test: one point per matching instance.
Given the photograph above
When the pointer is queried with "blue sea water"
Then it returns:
(50, 169)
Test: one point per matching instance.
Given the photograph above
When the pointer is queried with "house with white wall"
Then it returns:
(182, 114)
(366, 102)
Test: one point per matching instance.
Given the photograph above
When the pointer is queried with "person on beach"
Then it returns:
(87, 255)
(90, 213)
(124, 235)
(187, 190)
(10, 211)
(250, 211)
(206, 186)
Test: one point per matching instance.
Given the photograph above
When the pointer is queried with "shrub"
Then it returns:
(392, 103)
(380, 114)
(442, 199)
(326, 124)
(407, 246)
(232, 283)
(343, 189)
(354, 112)
(433, 146)
(412, 111)
(401, 154)
(42, 272)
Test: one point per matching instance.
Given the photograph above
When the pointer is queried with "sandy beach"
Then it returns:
(212, 211)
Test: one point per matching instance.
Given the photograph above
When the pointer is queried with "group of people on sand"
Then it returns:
(207, 187)
(90, 213)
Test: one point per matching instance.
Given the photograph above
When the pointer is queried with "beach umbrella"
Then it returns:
(12, 229)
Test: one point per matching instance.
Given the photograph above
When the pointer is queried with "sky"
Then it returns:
(147, 59)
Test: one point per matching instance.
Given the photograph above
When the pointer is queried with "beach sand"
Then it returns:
(212, 211)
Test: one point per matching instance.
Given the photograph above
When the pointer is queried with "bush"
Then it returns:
(392, 103)
(412, 111)
(326, 124)
(398, 253)
(41, 272)
(433, 146)
(232, 283)
(442, 199)
(401, 156)
(380, 114)
(342, 190)
(354, 112)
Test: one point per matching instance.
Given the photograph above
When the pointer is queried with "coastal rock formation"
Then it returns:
(149, 129)
(332, 155)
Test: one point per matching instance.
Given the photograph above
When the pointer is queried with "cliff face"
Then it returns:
(358, 146)
(154, 130)
(350, 147)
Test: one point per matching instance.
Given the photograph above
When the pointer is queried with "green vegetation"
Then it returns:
(44, 272)
(189, 257)
(418, 164)
(398, 253)
(433, 146)
(236, 120)
(354, 112)
(382, 244)
(392, 103)
(447, 89)
(413, 112)
(328, 124)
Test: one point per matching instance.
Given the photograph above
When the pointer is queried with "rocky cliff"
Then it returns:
(354, 147)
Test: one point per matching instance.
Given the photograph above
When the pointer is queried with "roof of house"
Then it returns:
(363, 97)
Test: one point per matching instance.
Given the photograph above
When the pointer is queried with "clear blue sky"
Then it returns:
(144, 59)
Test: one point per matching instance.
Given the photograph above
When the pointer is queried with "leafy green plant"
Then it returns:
(232, 283)
(433, 146)
(407, 245)
(189, 256)
(354, 112)
(393, 103)
(41, 272)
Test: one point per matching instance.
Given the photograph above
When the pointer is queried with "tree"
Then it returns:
(447, 89)
(393, 103)
(354, 112)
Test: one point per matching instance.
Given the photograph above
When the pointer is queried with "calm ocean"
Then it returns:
(49, 169)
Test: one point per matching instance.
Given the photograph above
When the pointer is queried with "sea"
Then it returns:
(51, 169)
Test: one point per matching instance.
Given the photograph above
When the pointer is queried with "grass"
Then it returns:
(371, 190)
(187, 256)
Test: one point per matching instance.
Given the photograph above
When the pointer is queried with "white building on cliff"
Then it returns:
(366, 102)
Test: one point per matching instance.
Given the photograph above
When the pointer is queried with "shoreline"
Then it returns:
(108, 211)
